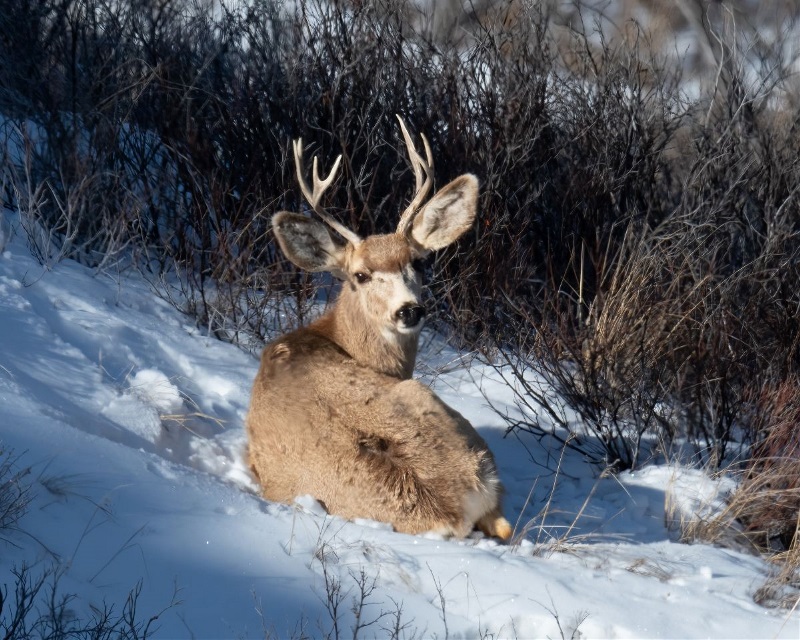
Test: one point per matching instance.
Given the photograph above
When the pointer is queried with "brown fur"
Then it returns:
(365, 444)
(334, 412)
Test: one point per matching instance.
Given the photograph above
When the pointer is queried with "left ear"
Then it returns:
(447, 215)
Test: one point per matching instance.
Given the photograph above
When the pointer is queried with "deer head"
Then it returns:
(381, 273)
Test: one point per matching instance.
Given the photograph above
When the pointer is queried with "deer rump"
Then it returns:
(366, 444)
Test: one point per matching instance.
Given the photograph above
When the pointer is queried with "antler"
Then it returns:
(320, 186)
(424, 182)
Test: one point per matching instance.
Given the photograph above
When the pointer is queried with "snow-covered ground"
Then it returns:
(130, 422)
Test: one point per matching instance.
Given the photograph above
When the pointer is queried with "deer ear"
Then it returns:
(447, 215)
(308, 243)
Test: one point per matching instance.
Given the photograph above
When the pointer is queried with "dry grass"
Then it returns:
(768, 499)
(781, 587)
(762, 514)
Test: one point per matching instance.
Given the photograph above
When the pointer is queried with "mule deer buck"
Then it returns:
(334, 411)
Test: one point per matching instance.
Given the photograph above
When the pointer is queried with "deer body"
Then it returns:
(334, 411)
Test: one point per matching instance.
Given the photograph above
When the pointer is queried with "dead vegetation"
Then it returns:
(637, 238)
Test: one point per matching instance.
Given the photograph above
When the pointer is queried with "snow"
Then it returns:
(130, 421)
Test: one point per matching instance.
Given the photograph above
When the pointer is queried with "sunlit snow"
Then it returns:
(130, 421)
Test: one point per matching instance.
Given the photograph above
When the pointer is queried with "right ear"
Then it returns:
(308, 243)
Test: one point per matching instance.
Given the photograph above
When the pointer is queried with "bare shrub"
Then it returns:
(658, 327)
(192, 114)
(637, 249)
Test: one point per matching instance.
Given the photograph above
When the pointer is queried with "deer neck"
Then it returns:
(387, 352)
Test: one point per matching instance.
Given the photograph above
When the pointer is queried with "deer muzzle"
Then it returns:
(410, 315)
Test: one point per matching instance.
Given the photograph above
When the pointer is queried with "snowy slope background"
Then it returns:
(126, 423)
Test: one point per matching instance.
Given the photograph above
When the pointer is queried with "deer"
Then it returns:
(334, 410)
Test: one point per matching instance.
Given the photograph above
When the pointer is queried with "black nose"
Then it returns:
(410, 315)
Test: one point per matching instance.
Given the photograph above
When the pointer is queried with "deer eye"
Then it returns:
(362, 277)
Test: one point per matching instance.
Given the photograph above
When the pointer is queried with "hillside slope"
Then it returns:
(130, 422)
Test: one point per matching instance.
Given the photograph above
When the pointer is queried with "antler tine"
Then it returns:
(423, 172)
(320, 186)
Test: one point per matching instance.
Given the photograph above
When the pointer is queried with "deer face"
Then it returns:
(385, 272)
